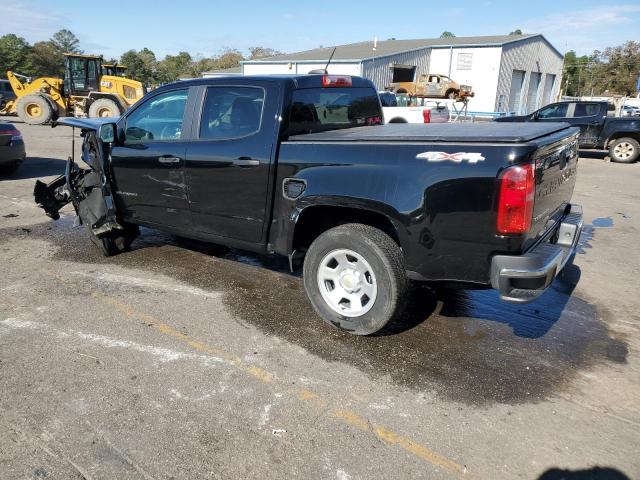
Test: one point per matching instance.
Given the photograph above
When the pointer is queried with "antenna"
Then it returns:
(324, 71)
(329, 61)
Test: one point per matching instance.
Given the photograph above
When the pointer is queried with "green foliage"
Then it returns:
(447, 34)
(613, 71)
(141, 65)
(14, 54)
(66, 42)
(517, 31)
(46, 60)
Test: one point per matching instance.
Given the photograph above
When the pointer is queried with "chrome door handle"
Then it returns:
(246, 162)
(169, 160)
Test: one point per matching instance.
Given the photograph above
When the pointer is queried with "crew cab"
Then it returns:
(303, 166)
(598, 130)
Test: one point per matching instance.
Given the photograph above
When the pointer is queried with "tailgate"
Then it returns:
(555, 176)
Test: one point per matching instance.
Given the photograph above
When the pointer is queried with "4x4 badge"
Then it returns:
(471, 157)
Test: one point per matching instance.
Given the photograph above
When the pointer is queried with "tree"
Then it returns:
(46, 60)
(517, 31)
(262, 52)
(172, 67)
(447, 34)
(230, 57)
(66, 42)
(14, 54)
(141, 65)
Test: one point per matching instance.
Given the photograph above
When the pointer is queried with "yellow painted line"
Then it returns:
(347, 417)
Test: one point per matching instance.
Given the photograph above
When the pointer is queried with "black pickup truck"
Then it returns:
(303, 167)
(598, 130)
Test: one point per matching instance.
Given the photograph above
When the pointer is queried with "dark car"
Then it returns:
(302, 166)
(598, 130)
(6, 93)
(12, 151)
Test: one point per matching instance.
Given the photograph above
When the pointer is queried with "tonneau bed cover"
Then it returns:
(488, 132)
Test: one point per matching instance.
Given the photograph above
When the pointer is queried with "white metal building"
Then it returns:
(517, 73)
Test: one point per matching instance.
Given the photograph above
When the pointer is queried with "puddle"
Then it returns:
(464, 345)
(589, 231)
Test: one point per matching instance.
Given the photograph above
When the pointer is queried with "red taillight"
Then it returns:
(515, 200)
(15, 133)
(336, 81)
(426, 115)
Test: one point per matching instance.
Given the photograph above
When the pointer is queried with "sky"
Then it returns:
(205, 28)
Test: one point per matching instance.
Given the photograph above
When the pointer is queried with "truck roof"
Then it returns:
(296, 81)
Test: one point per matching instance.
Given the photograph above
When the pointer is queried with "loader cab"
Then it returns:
(82, 74)
(114, 70)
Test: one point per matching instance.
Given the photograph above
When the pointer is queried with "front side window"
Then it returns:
(559, 110)
(320, 109)
(231, 112)
(158, 119)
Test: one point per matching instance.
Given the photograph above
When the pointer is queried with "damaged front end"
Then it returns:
(89, 190)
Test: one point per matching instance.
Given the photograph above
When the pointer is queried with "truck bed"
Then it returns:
(488, 132)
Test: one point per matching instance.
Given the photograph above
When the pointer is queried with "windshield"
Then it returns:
(321, 109)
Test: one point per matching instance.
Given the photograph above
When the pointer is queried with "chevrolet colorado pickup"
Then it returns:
(619, 135)
(302, 166)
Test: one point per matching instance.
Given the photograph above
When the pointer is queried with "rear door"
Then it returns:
(229, 161)
(589, 117)
(149, 167)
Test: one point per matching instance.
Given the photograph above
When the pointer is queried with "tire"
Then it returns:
(34, 109)
(104, 108)
(116, 241)
(451, 94)
(624, 150)
(380, 290)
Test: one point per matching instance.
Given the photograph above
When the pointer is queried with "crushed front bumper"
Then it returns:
(523, 278)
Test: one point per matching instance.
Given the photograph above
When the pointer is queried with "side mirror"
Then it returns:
(108, 132)
(535, 115)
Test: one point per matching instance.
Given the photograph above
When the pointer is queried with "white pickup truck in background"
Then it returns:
(397, 110)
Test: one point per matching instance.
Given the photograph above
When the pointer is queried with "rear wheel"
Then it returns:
(355, 279)
(624, 150)
(104, 108)
(34, 109)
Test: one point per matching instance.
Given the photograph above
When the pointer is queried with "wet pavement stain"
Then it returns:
(463, 345)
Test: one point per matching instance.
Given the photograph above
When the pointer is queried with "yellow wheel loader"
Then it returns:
(83, 92)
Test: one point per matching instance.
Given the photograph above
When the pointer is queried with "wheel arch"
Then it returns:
(317, 218)
(617, 135)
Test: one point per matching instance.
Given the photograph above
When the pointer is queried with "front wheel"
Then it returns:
(624, 150)
(115, 241)
(355, 279)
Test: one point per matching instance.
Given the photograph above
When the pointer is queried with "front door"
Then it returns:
(149, 166)
(228, 165)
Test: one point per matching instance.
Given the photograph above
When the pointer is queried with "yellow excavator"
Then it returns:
(83, 92)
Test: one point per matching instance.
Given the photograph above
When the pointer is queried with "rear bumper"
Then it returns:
(523, 278)
(14, 152)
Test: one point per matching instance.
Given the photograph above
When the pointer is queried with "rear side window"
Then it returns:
(159, 118)
(231, 112)
(321, 109)
(586, 109)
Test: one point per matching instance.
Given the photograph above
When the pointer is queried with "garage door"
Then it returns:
(517, 79)
(549, 80)
(532, 93)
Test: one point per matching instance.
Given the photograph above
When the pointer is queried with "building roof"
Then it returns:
(363, 50)
(222, 71)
